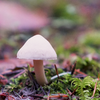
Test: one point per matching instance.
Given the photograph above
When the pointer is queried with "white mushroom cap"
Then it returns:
(37, 48)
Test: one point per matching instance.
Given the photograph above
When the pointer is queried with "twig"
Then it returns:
(48, 97)
(17, 94)
(94, 89)
(74, 91)
(19, 74)
(73, 66)
(56, 70)
(43, 90)
(69, 92)
(9, 73)
(78, 70)
(57, 96)
(32, 79)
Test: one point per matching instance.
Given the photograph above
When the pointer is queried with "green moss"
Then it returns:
(84, 87)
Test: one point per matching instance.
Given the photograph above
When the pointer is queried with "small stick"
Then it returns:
(74, 91)
(58, 96)
(69, 92)
(48, 97)
(78, 70)
(56, 70)
(43, 90)
(73, 66)
(94, 89)
(19, 74)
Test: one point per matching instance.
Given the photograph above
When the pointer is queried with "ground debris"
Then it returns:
(3, 80)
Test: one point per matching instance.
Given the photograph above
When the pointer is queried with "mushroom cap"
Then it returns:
(37, 48)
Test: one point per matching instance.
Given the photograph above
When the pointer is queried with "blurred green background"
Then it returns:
(72, 26)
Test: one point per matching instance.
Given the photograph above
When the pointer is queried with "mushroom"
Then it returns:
(38, 49)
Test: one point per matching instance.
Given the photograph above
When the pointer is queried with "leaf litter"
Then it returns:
(72, 86)
(79, 83)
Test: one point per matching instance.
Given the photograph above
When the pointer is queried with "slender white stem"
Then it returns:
(39, 72)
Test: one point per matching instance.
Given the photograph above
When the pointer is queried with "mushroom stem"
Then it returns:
(39, 72)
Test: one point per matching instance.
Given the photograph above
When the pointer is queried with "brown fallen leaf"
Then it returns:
(3, 80)
(10, 64)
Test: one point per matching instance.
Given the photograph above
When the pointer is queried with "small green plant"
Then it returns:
(86, 65)
(82, 88)
(17, 83)
(85, 87)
